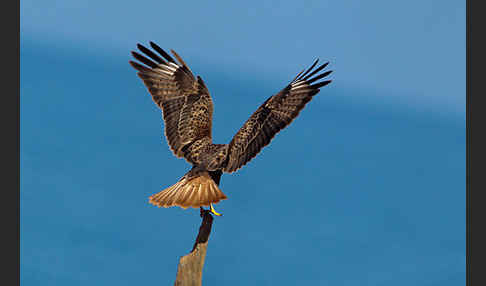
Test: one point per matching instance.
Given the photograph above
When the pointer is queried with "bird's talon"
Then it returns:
(213, 211)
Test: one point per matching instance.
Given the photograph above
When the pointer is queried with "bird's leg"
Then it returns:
(213, 211)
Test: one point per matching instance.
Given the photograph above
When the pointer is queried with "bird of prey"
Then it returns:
(187, 110)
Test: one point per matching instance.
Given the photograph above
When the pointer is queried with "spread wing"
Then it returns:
(185, 101)
(273, 115)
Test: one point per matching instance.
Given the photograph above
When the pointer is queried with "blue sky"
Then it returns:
(366, 187)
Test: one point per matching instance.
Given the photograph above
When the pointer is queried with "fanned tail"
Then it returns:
(190, 191)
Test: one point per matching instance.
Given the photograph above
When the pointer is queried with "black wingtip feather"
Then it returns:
(316, 71)
(309, 69)
(138, 66)
(321, 84)
(144, 60)
(319, 77)
(151, 54)
(296, 77)
(162, 52)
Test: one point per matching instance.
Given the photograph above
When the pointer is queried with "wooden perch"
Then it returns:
(189, 271)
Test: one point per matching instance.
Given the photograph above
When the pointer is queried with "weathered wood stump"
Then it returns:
(189, 271)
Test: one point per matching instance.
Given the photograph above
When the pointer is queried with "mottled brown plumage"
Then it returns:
(187, 110)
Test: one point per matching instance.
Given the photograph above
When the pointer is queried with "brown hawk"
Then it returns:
(187, 111)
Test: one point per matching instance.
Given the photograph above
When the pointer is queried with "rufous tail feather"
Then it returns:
(193, 192)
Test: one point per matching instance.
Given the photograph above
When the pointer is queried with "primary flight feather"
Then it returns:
(187, 110)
